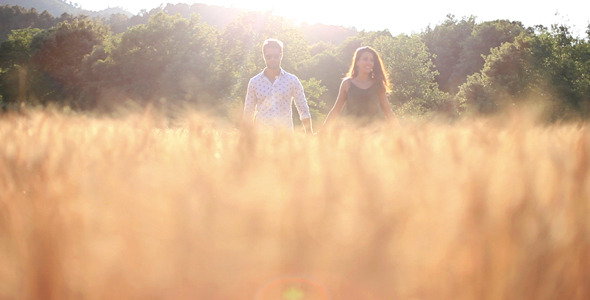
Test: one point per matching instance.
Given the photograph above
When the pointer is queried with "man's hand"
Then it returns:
(307, 126)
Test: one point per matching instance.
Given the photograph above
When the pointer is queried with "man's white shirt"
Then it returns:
(271, 102)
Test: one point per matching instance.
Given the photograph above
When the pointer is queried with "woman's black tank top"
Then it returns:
(363, 104)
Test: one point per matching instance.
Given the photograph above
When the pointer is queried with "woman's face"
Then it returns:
(365, 62)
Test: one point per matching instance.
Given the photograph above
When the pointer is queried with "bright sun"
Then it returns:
(379, 15)
(300, 11)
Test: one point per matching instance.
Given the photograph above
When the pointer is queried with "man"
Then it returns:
(271, 93)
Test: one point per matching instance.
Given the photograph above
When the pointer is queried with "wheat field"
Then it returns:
(141, 207)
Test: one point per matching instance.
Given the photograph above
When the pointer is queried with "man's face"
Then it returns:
(272, 58)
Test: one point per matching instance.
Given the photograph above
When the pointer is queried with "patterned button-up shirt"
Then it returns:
(271, 102)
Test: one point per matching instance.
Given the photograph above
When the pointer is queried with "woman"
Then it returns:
(363, 90)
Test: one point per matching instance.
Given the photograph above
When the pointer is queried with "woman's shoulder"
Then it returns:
(346, 82)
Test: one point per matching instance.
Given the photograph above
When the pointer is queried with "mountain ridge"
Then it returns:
(214, 15)
(58, 7)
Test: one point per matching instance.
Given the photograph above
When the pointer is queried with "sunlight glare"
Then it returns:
(373, 15)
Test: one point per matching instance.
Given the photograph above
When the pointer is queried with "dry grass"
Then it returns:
(130, 208)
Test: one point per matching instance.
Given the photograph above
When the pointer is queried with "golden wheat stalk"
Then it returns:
(134, 208)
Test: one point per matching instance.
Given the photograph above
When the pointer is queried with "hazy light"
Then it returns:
(406, 18)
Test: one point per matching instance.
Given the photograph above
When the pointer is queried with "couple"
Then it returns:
(270, 93)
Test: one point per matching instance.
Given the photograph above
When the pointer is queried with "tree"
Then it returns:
(506, 78)
(313, 93)
(327, 68)
(546, 65)
(15, 57)
(446, 43)
(564, 62)
(16, 17)
(118, 23)
(409, 65)
(58, 55)
(169, 60)
(484, 37)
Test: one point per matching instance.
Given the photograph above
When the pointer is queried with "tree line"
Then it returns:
(171, 57)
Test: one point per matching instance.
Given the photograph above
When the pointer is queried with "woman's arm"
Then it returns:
(385, 107)
(339, 104)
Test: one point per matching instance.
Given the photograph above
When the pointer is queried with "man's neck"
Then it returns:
(272, 74)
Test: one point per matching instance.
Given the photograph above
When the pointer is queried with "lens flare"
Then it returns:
(293, 288)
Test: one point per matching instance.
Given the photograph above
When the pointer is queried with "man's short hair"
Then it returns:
(272, 43)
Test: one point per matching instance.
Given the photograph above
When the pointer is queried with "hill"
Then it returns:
(218, 16)
(54, 7)
(58, 7)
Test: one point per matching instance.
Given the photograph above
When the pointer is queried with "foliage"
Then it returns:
(15, 56)
(60, 53)
(313, 93)
(16, 17)
(459, 47)
(550, 66)
(445, 42)
(484, 37)
(54, 7)
(179, 55)
(409, 65)
(16, 50)
(46, 65)
(170, 60)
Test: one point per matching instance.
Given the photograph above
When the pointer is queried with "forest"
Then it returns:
(176, 56)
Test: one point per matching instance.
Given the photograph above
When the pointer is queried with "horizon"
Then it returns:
(408, 18)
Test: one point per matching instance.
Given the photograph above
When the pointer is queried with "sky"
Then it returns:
(411, 16)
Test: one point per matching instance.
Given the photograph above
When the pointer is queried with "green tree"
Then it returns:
(16, 50)
(545, 65)
(17, 17)
(329, 70)
(446, 43)
(15, 65)
(508, 76)
(118, 23)
(168, 60)
(409, 65)
(563, 62)
(484, 37)
(314, 90)
(59, 54)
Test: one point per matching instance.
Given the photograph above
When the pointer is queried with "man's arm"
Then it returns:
(307, 125)
(249, 106)
(302, 106)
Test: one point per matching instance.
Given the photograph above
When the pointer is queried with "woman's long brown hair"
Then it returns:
(379, 73)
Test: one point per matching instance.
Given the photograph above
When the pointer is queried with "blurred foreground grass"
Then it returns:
(135, 208)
